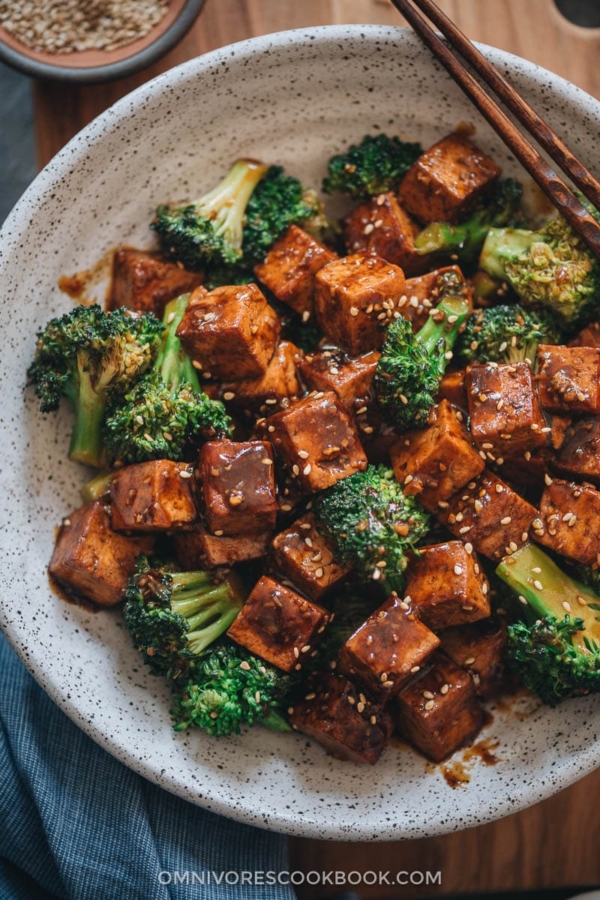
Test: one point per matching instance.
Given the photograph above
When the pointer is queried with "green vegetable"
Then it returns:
(97, 487)
(505, 334)
(374, 166)
(87, 355)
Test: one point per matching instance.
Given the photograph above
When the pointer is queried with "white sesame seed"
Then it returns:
(506, 520)
(429, 705)
(229, 395)
(469, 661)
(458, 570)
(566, 606)
(538, 585)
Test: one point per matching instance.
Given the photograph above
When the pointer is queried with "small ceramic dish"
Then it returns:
(95, 66)
(293, 98)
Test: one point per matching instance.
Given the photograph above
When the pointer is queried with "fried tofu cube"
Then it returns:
(452, 389)
(290, 267)
(231, 332)
(488, 515)
(274, 389)
(579, 454)
(350, 378)
(145, 282)
(90, 560)
(278, 625)
(380, 227)
(153, 496)
(568, 379)
(423, 294)
(481, 650)
(447, 586)
(587, 337)
(198, 549)
(316, 441)
(238, 487)
(388, 648)
(439, 711)
(568, 521)
(343, 720)
(436, 461)
(505, 414)
(447, 180)
(354, 298)
(307, 558)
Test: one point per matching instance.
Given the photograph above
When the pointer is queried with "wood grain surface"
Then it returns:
(554, 843)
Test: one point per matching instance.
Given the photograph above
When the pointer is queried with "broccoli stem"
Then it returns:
(465, 240)
(87, 445)
(504, 245)
(434, 332)
(97, 487)
(172, 362)
(274, 721)
(226, 204)
(208, 607)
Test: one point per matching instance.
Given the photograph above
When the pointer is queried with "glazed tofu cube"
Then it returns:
(343, 720)
(316, 441)
(568, 521)
(380, 227)
(146, 282)
(231, 332)
(290, 267)
(587, 337)
(90, 560)
(579, 454)
(388, 648)
(350, 379)
(506, 418)
(355, 297)
(447, 180)
(270, 391)
(569, 379)
(488, 515)
(198, 549)
(278, 625)
(436, 461)
(452, 389)
(481, 650)
(153, 496)
(238, 487)
(307, 558)
(447, 586)
(439, 711)
(423, 294)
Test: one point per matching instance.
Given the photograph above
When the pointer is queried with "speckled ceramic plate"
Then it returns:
(292, 98)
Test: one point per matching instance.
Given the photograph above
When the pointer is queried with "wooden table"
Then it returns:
(554, 843)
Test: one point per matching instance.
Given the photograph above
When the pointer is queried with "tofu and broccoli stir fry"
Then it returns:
(348, 472)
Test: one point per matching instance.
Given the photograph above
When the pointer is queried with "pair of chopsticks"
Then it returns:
(551, 184)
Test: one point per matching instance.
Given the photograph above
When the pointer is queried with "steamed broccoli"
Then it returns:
(86, 355)
(374, 166)
(210, 230)
(551, 269)
(228, 687)
(167, 409)
(464, 241)
(411, 367)
(373, 523)
(173, 617)
(505, 334)
(556, 650)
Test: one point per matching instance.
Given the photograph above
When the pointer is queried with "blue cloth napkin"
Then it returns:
(75, 824)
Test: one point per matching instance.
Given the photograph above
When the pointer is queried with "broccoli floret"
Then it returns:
(86, 355)
(505, 334)
(464, 241)
(373, 523)
(209, 231)
(173, 617)
(411, 367)
(278, 201)
(551, 269)
(374, 166)
(228, 687)
(556, 650)
(167, 409)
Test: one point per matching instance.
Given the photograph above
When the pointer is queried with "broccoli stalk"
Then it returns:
(167, 409)
(551, 269)
(372, 523)
(465, 240)
(97, 487)
(505, 334)
(556, 650)
(375, 166)
(88, 355)
(210, 230)
(411, 366)
(228, 687)
(173, 617)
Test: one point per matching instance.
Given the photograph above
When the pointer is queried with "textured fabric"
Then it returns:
(75, 824)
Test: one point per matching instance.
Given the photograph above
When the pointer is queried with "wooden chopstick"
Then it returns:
(551, 184)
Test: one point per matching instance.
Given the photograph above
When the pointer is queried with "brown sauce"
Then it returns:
(82, 287)
(455, 774)
(71, 597)
(484, 751)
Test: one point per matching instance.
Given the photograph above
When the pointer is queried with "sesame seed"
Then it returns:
(383, 677)
(429, 705)
(547, 479)
(360, 707)
(566, 606)
(319, 572)
(428, 695)
(66, 522)
(373, 720)
(185, 474)
(469, 661)
(444, 689)
(465, 529)
(139, 420)
(506, 520)
(468, 548)
(538, 585)
(458, 570)
(296, 652)
(307, 469)
(581, 601)
(415, 669)
(229, 395)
